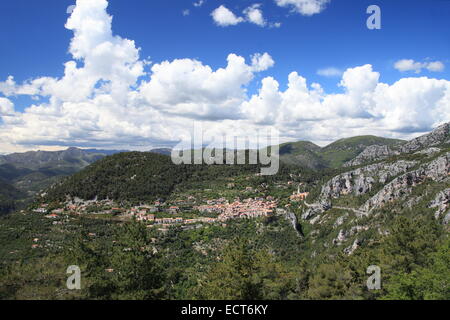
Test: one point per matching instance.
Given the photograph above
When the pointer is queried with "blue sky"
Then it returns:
(36, 44)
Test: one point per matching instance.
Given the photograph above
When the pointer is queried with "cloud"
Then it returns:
(6, 107)
(88, 99)
(107, 98)
(304, 7)
(275, 25)
(263, 107)
(435, 66)
(405, 65)
(223, 17)
(262, 62)
(187, 87)
(330, 72)
(199, 3)
(70, 9)
(255, 15)
(186, 12)
(365, 106)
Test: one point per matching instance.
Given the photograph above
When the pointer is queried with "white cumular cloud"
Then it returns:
(367, 106)
(6, 107)
(405, 65)
(224, 17)
(436, 66)
(304, 7)
(262, 62)
(107, 99)
(188, 87)
(254, 15)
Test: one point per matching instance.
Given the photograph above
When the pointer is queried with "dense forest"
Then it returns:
(8, 197)
(184, 265)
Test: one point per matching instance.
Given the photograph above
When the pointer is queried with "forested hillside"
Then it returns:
(27, 174)
(8, 197)
(139, 176)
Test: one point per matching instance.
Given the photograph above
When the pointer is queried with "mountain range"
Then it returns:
(335, 155)
(27, 174)
(139, 176)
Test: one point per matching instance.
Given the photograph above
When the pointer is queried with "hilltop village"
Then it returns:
(160, 213)
(181, 212)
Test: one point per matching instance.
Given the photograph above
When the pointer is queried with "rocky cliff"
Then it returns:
(372, 153)
(408, 179)
(440, 135)
(361, 181)
(441, 203)
(437, 170)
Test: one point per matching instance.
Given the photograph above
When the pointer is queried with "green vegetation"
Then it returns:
(302, 153)
(341, 151)
(129, 269)
(8, 197)
(23, 175)
(261, 258)
(137, 177)
(332, 156)
(243, 274)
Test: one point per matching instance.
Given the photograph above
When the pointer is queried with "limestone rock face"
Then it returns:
(441, 202)
(428, 142)
(421, 178)
(311, 212)
(429, 151)
(316, 209)
(345, 235)
(361, 181)
(292, 218)
(349, 250)
(447, 218)
(437, 170)
(372, 153)
(339, 221)
(438, 136)
(341, 237)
